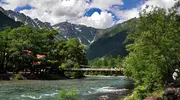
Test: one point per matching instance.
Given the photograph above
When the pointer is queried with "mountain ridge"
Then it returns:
(111, 42)
(84, 34)
(99, 42)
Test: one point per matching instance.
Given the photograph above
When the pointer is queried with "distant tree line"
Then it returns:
(107, 62)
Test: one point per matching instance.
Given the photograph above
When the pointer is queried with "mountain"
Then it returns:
(6, 21)
(111, 41)
(86, 35)
(26, 19)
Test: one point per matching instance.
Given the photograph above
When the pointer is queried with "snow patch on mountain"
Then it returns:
(78, 29)
(79, 40)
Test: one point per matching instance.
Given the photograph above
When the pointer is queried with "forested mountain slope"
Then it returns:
(111, 42)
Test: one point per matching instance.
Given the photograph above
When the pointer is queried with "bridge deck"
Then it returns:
(95, 69)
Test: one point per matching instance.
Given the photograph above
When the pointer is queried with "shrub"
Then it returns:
(18, 76)
(67, 95)
(140, 92)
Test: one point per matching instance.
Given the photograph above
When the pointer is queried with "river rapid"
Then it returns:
(88, 88)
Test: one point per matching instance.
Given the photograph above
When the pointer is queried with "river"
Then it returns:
(88, 88)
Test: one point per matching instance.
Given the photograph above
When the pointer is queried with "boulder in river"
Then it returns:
(103, 97)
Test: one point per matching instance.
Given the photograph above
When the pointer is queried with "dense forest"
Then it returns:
(37, 51)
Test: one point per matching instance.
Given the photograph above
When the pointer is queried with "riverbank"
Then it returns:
(169, 92)
(23, 76)
(27, 76)
(140, 93)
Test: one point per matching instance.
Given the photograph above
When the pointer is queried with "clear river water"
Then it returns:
(88, 88)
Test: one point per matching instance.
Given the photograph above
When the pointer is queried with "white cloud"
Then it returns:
(102, 20)
(125, 15)
(160, 3)
(55, 11)
(12, 4)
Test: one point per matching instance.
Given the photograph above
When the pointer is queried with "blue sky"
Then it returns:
(129, 4)
(28, 7)
(94, 13)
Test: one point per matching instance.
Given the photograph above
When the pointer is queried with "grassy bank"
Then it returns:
(140, 93)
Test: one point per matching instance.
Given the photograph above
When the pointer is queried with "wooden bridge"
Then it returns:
(89, 69)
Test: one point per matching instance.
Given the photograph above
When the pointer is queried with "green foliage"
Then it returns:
(72, 74)
(76, 52)
(67, 95)
(155, 52)
(33, 41)
(140, 93)
(107, 62)
(26, 48)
